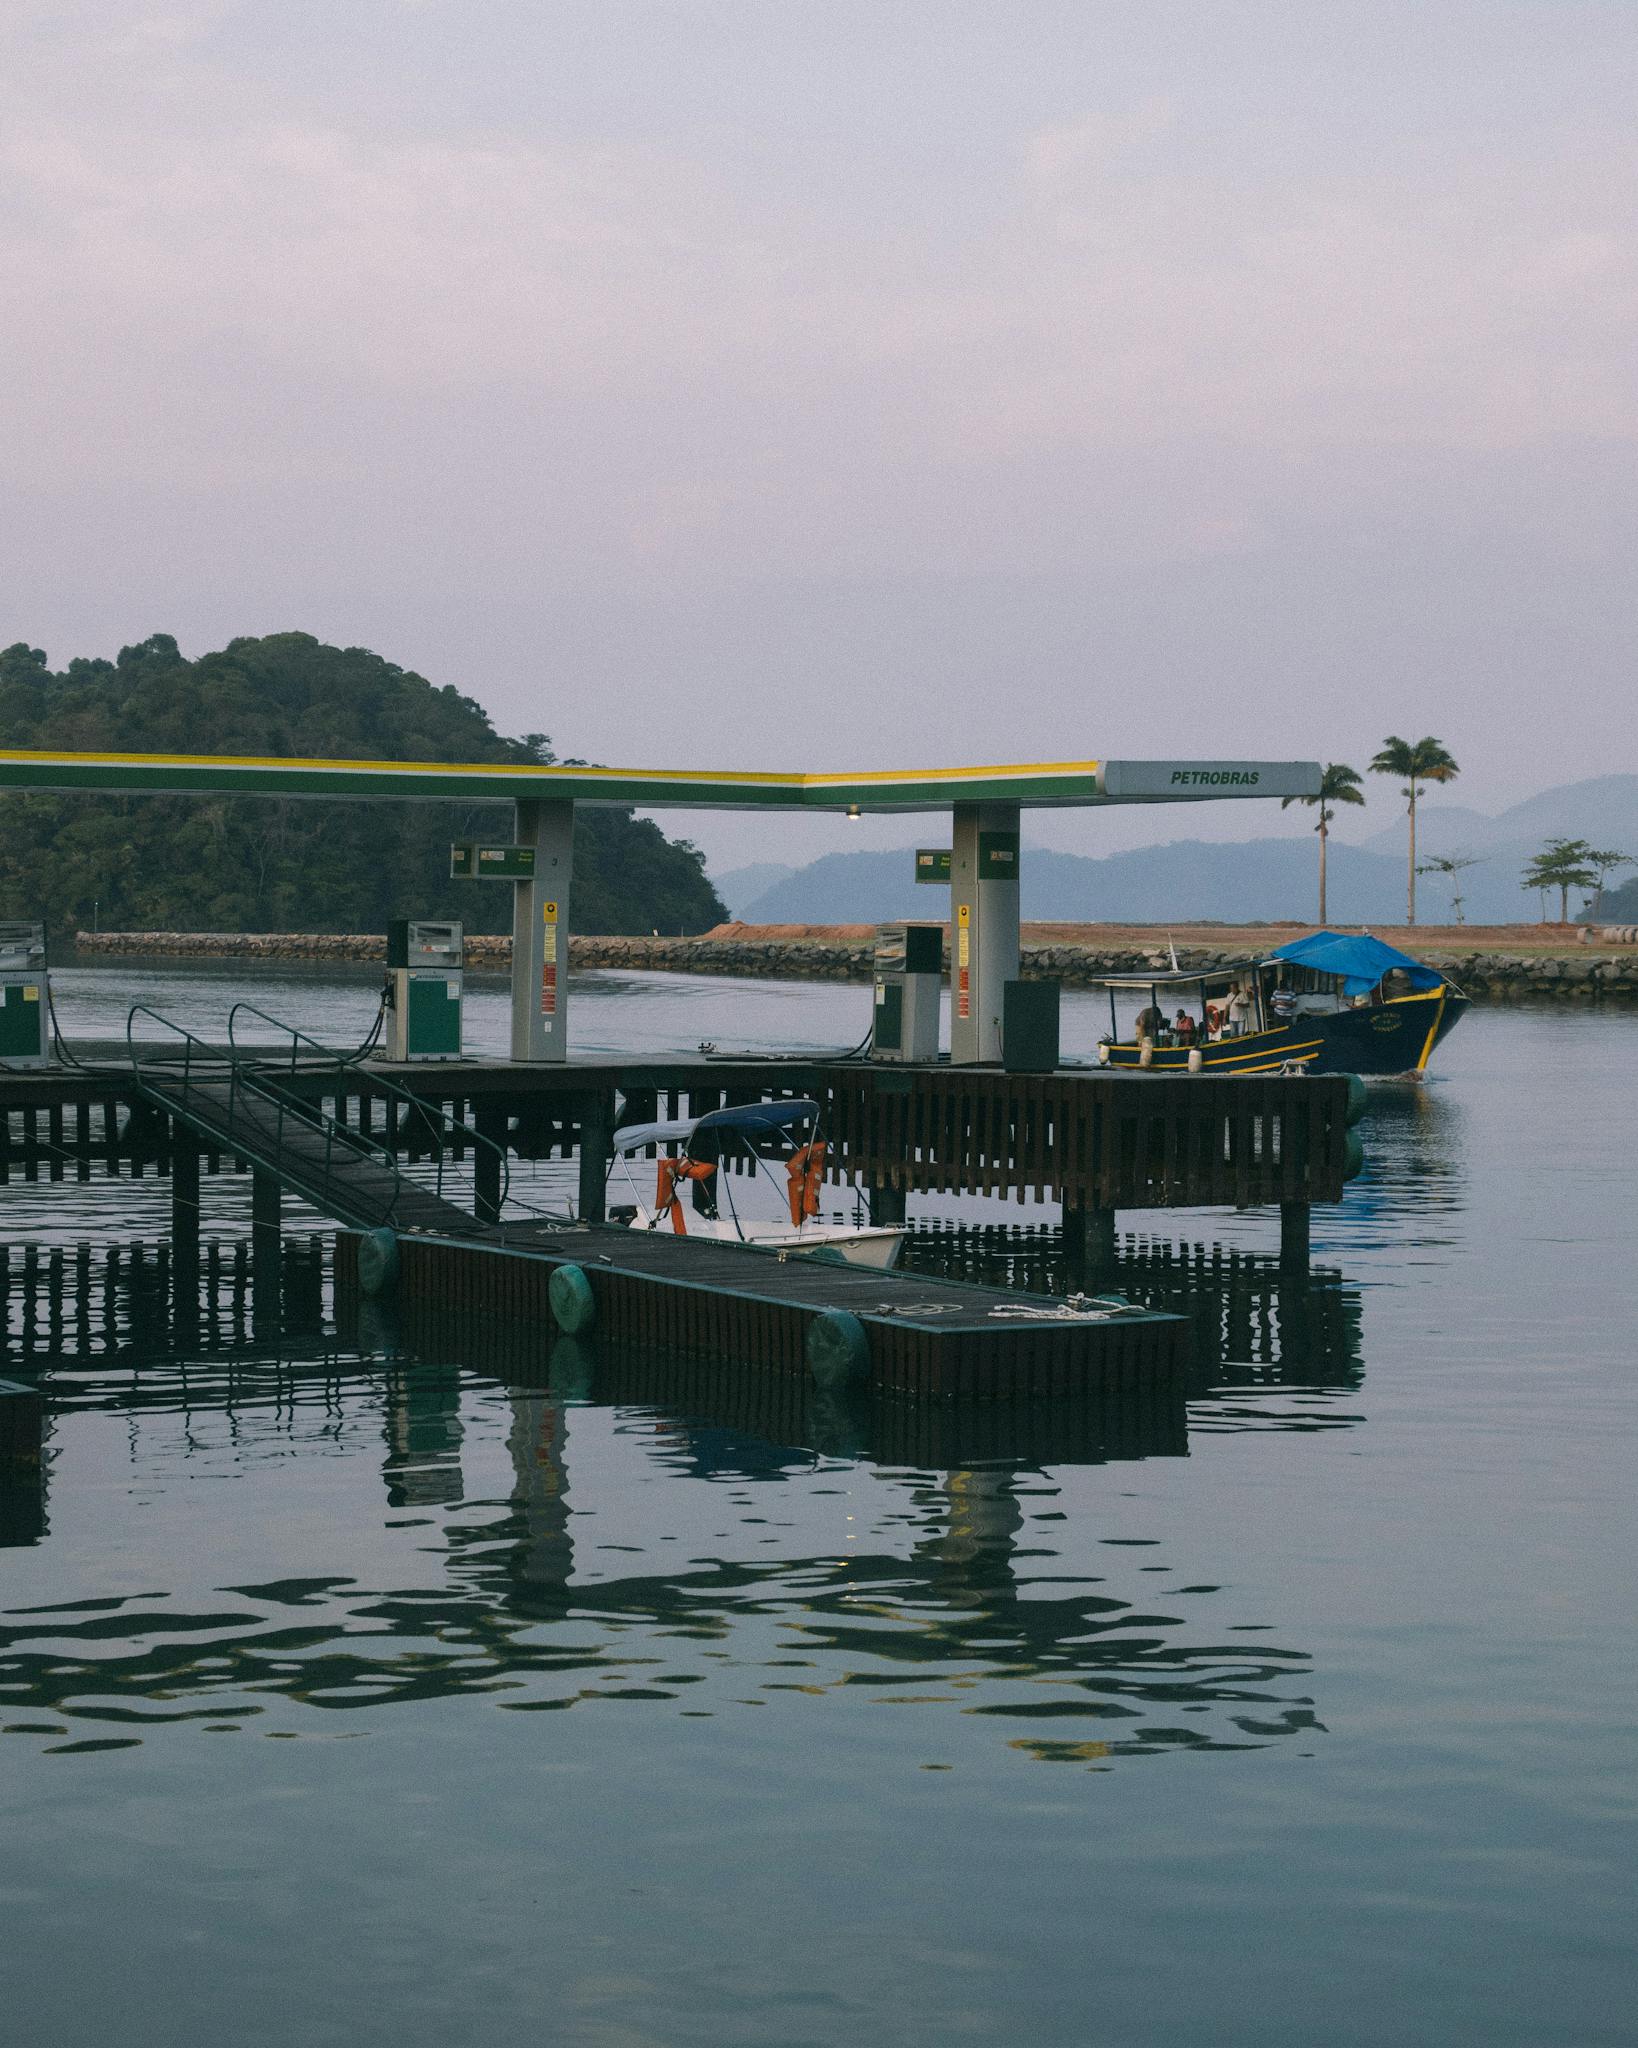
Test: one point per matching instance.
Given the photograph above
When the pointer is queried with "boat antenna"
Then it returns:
(1172, 947)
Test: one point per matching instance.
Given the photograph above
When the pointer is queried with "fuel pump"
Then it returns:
(425, 960)
(908, 974)
(25, 1000)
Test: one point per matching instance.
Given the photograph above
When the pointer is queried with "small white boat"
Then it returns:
(690, 1150)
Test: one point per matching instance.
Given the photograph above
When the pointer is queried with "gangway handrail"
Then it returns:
(243, 1076)
(434, 1113)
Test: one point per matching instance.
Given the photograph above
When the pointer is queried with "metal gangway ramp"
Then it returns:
(232, 1101)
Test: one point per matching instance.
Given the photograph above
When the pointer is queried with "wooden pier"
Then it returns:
(1092, 1140)
(363, 1142)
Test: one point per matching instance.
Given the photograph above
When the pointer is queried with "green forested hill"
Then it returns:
(268, 864)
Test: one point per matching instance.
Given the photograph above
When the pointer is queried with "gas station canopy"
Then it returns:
(1036, 784)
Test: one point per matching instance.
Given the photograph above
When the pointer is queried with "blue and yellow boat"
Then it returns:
(1331, 1003)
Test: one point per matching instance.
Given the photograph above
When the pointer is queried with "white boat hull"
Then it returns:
(875, 1245)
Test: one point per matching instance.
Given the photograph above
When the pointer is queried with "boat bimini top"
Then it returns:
(750, 1119)
(1357, 960)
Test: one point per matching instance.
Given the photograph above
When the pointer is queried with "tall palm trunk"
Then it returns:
(1411, 880)
(1323, 836)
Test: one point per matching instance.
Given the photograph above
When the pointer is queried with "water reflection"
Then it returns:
(111, 1301)
(1418, 1149)
(422, 1410)
(555, 1527)
(24, 1463)
(1254, 1326)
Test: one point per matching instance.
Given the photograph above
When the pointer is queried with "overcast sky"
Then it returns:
(841, 385)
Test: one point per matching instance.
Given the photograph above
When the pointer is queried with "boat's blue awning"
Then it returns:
(1358, 959)
(750, 1117)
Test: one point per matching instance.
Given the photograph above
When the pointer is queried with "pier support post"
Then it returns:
(983, 928)
(1089, 1244)
(540, 934)
(887, 1205)
(266, 1251)
(489, 1123)
(596, 1129)
(1294, 1237)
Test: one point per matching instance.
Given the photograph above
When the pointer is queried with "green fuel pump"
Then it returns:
(25, 1006)
(425, 962)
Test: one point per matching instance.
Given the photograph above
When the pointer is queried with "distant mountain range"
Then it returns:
(739, 888)
(1256, 880)
(1602, 810)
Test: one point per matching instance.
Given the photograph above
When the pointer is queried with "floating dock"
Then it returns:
(922, 1336)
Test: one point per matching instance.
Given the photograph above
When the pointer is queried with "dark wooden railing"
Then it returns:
(1093, 1140)
(1090, 1139)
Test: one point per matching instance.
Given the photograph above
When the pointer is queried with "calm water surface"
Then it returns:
(430, 1688)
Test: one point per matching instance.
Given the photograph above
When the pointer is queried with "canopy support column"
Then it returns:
(540, 934)
(984, 946)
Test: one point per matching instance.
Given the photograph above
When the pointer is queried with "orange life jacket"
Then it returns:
(805, 1174)
(668, 1173)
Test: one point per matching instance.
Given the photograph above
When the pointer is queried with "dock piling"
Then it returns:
(490, 1123)
(596, 1134)
(1295, 1218)
(265, 1252)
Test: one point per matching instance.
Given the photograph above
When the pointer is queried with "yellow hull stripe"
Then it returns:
(1226, 1059)
(1433, 1033)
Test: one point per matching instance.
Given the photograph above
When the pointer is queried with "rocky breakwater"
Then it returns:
(481, 951)
(814, 958)
(1572, 971)
(1581, 976)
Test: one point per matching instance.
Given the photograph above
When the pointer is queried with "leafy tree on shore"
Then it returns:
(1418, 762)
(1605, 863)
(1339, 784)
(1562, 864)
(252, 864)
(1452, 866)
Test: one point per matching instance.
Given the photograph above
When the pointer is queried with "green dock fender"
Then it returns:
(1353, 1159)
(837, 1349)
(574, 1306)
(378, 1261)
(1358, 1096)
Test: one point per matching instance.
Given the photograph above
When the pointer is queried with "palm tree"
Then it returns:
(1339, 784)
(1418, 761)
(1452, 866)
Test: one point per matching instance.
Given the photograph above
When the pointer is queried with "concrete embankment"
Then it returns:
(1494, 964)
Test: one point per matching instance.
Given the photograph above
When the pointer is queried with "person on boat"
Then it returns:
(1183, 1029)
(1151, 1022)
(1282, 1004)
(1239, 1010)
